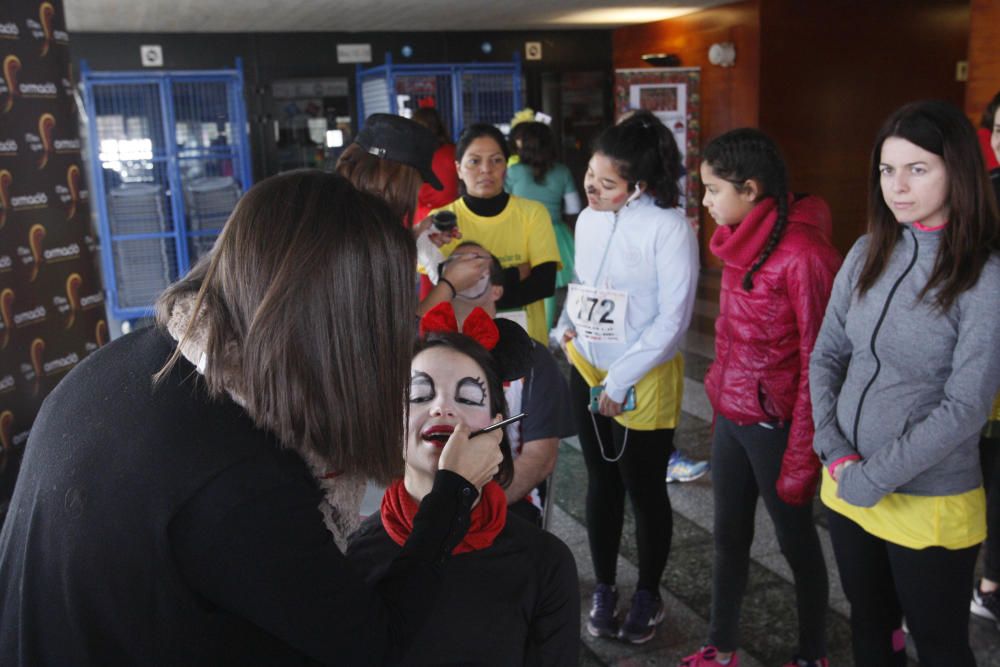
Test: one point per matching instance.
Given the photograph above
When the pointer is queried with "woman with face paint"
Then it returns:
(511, 595)
(625, 315)
(902, 378)
(518, 231)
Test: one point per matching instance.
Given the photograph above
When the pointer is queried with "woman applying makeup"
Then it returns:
(396, 159)
(166, 510)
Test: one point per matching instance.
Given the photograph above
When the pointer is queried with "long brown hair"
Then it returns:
(397, 183)
(307, 299)
(973, 229)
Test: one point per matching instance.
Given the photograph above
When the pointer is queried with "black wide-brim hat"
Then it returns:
(396, 138)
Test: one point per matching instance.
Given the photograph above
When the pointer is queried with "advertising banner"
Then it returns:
(51, 298)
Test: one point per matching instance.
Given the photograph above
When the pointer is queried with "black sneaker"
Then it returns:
(986, 605)
(603, 620)
(642, 618)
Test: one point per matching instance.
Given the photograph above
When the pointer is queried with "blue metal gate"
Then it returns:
(462, 93)
(169, 157)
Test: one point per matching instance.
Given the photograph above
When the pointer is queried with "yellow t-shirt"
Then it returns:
(521, 233)
(657, 395)
(992, 429)
(916, 522)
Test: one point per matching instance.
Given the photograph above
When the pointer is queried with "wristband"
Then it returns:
(447, 282)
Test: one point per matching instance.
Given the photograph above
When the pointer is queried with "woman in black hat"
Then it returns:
(391, 157)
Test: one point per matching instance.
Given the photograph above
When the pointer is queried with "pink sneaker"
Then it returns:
(707, 657)
(799, 662)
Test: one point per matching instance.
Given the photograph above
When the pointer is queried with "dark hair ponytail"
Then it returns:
(744, 154)
(643, 149)
(538, 149)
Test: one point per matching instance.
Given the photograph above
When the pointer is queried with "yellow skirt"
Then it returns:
(916, 522)
(657, 395)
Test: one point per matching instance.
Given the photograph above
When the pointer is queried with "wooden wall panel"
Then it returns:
(984, 57)
(832, 72)
(729, 94)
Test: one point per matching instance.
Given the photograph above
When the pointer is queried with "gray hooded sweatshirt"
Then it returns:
(901, 384)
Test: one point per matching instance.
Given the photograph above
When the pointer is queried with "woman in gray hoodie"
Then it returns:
(902, 378)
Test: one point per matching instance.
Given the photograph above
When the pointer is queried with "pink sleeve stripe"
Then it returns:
(850, 457)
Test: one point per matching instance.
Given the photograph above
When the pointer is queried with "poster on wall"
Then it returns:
(670, 93)
(51, 298)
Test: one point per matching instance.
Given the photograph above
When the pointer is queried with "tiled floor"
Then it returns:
(768, 618)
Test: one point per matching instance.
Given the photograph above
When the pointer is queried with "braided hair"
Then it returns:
(744, 154)
(643, 149)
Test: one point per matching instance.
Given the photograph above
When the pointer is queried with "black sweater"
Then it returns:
(516, 602)
(156, 527)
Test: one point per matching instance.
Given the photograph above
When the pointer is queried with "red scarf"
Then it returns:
(740, 245)
(487, 520)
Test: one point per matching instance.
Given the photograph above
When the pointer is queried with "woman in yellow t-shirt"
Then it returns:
(516, 230)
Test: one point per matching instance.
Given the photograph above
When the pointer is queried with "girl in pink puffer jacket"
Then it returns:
(779, 267)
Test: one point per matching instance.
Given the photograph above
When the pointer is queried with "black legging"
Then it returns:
(746, 463)
(989, 451)
(641, 472)
(885, 582)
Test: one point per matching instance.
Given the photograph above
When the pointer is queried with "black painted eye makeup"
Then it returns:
(471, 391)
(421, 387)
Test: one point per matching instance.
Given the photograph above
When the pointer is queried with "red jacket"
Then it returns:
(763, 338)
(443, 167)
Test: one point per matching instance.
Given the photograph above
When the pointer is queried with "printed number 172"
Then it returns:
(607, 304)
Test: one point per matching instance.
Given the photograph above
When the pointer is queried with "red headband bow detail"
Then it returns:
(478, 326)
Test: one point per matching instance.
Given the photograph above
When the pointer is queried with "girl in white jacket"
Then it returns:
(625, 315)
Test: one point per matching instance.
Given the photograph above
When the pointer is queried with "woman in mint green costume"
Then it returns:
(538, 176)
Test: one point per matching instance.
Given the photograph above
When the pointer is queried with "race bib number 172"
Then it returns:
(597, 314)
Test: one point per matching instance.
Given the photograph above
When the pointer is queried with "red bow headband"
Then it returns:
(478, 326)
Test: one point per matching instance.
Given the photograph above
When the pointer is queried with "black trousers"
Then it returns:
(989, 452)
(641, 472)
(746, 462)
(885, 582)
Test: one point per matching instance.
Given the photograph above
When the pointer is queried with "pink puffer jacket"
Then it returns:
(763, 337)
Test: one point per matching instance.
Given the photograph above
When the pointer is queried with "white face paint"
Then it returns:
(446, 388)
(475, 292)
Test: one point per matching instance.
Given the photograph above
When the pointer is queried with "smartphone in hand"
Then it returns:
(595, 399)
